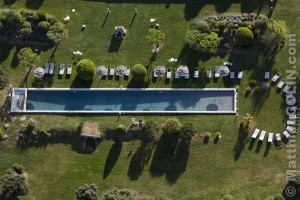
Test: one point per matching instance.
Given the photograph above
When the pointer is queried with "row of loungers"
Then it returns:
(49, 69)
(263, 133)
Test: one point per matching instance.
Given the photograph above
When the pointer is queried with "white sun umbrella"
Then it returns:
(39, 72)
(121, 69)
(160, 70)
(224, 71)
(101, 71)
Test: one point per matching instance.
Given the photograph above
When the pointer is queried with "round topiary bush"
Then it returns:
(44, 26)
(172, 127)
(279, 197)
(228, 197)
(244, 36)
(139, 72)
(86, 70)
(200, 25)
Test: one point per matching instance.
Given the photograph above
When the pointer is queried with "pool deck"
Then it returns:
(19, 99)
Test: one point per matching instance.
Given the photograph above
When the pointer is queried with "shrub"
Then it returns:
(118, 194)
(222, 24)
(17, 168)
(187, 131)
(248, 90)
(228, 197)
(200, 25)
(14, 186)
(207, 134)
(244, 36)
(218, 134)
(172, 127)
(25, 32)
(139, 72)
(57, 32)
(150, 128)
(1, 135)
(279, 28)
(30, 125)
(257, 90)
(252, 83)
(42, 15)
(155, 37)
(44, 26)
(12, 17)
(87, 192)
(214, 27)
(26, 25)
(279, 197)
(245, 24)
(86, 70)
(261, 25)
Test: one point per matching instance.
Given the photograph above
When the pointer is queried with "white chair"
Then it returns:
(291, 129)
(112, 71)
(278, 138)
(217, 72)
(262, 135)
(270, 138)
(208, 73)
(286, 134)
(176, 75)
(47, 68)
(255, 134)
(69, 69)
(127, 71)
(281, 84)
(267, 74)
(294, 117)
(276, 77)
(232, 74)
(51, 69)
(240, 73)
(61, 69)
(169, 73)
(291, 122)
(196, 74)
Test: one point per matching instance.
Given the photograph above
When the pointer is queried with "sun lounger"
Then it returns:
(278, 138)
(255, 134)
(217, 72)
(262, 135)
(291, 129)
(51, 69)
(267, 74)
(240, 73)
(291, 122)
(294, 117)
(276, 77)
(169, 73)
(281, 84)
(208, 73)
(47, 68)
(127, 72)
(61, 69)
(231, 75)
(176, 75)
(270, 138)
(112, 71)
(286, 134)
(196, 74)
(69, 69)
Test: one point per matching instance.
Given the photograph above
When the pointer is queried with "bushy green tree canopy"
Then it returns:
(172, 126)
(86, 70)
(13, 186)
(87, 192)
(155, 37)
(139, 72)
(27, 57)
(187, 131)
(244, 36)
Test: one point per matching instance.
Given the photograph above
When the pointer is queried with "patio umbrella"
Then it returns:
(182, 70)
(121, 69)
(39, 72)
(160, 70)
(224, 71)
(101, 71)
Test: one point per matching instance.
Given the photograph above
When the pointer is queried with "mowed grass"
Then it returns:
(56, 171)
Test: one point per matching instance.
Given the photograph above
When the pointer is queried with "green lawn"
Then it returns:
(57, 170)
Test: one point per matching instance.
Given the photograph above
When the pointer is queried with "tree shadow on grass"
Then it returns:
(163, 155)
(139, 160)
(5, 109)
(79, 83)
(46, 81)
(9, 2)
(5, 51)
(240, 144)
(112, 158)
(179, 161)
(34, 4)
(115, 44)
(138, 84)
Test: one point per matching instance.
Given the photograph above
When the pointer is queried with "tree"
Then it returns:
(118, 194)
(244, 36)
(13, 186)
(44, 26)
(187, 131)
(155, 37)
(86, 70)
(245, 123)
(57, 32)
(203, 42)
(172, 127)
(200, 25)
(87, 192)
(139, 72)
(150, 128)
(27, 57)
(279, 28)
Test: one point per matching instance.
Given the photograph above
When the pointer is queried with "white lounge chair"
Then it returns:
(286, 134)
(51, 69)
(169, 73)
(47, 68)
(291, 122)
(127, 72)
(112, 71)
(262, 135)
(176, 75)
(270, 138)
(217, 72)
(281, 84)
(291, 129)
(278, 138)
(61, 69)
(196, 74)
(267, 74)
(232, 74)
(69, 69)
(294, 117)
(276, 77)
(240, 73)
(255, 134)
(208, 73)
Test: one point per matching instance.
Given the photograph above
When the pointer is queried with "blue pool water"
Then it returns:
(131, 100)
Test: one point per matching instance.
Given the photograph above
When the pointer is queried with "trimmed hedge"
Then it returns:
(139, 72)
(86, 70)
(244, 36)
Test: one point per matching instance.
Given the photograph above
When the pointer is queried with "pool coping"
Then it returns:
(14, 110)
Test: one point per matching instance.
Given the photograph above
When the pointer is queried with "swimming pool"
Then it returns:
(107, 100)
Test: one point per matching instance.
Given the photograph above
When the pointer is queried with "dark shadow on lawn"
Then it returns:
(252, 142)
(139, 160)
(163, 155)
(112, 158)
(115, 44)
(267, 149)
(79, 83)
(4, 51)
(138, 84)
(9, 2)
(5, 109)
(46, 81)
(34, 4)
(258, 147)
(240, 143)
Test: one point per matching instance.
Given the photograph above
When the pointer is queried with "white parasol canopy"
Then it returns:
(101, 71)
(120, 70)
(224, 71)
(160, 70)
(39, 72)
(182, 70)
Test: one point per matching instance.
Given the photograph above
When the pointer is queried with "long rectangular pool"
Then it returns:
(107, 100)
